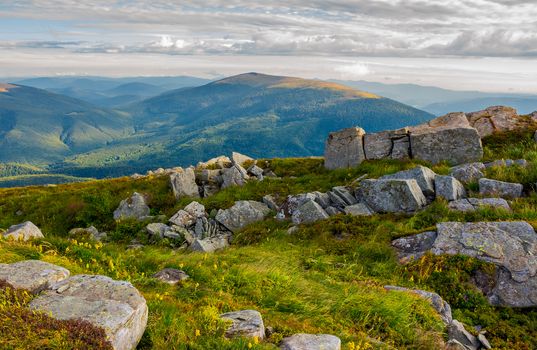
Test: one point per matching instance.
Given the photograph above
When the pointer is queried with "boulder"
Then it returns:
(344, 148)
(311, 342)
(424, 176)
(456, 331)
(343, 193)
(210, 244)
(309, 212)
(512, 246)
(467, 173)
(488, 187)
(171, 276)
(449, 188)
(134, 207)
(391, 195)
(115, 306)
(394, 144)
(244, 323)
(90, 232)
(256, 171)
(213, 176)
(358, 209)
(195, 209)
(32, 275)
(241, 214)
(323, 199)
(413, 247)
(183, 183)
(240, 159)
(25, 231)
(157, 229)
(234, 176)
(472, 204)
(219, 162)
(295, 201)
(494, 119)
(182, 219)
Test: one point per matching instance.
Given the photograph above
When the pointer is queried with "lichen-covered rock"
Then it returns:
(295, 201)
(32, 275)
(311, 342)
(25, 231)
(134, 207)
(309, 212)
(392, 144)
(413, 247)
(467, 173)
(424, 176)
(183, 183)
(182, 219)
(358, 209)
(343, 193)
(391, 195)
(344, 148)
(472, 204)
(489, 187)
(240, 159)
(171, 276)
(234, 176)
(241, 214)
(449, 188)
(115, 306)
(210, 244)
(245, 323)
(89, 232)
(323, 199)
(195, 209)
(494, 119)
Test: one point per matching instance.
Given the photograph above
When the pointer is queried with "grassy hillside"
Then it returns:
(326, 278)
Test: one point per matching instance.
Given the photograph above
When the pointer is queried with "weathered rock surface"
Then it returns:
(245, 323)
(391, 196)
(343, 193)
(195, 209)
(157, 229)
(457, 332)
(241, 214)
(171, 276)
(311, 342)
(32, 275)
(472, 204)
(494, 119)
(234, 176)
(424, 176)
(183, 183)
(219, 162)
(449, 188)
(358, 209)
(182, 219)
(344, 148)
(25, 231)
(394, 144)
(488, 187)
(413, 247)
(134, 207)
(90, 232)
(270, 202)
(240, 159)
(115, 306)
(309, 212)
(467, 173)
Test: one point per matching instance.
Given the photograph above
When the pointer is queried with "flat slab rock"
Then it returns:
(245, 323)
(115, 306)
(25, 231)
(308, 213)
(171, 276)
(472, 204)
(32, 275)
(303, 341)
(489, 187)
(391, 195)
(424, 176)
(210, 244)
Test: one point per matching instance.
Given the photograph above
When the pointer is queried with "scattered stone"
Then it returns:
(358, 209)
(472, 204)
(336, 201)
(32, 275)
(256, 171)
(344, 148)
(309, 212)
(293, 202)
(241, 214)
(182, 219)
(391, 195)
(488, 187)
(234, 176)
(134, 207)
(115, 306)
(210, 244)
(311, 342)
(195, 209)
(270, 202)
(424, 176)
(453, 344)
(90, 232)
(507, 163)
(25, 231)
(449, 188)
(457, 332)
(323, 199)
(184, 183)
(413, 247)
(219, 162)
(240, 159)
(484, 341)
(467, 173)
(332, 211)
(157, 229)
(343, 193)
(245, 323)
(171, 276)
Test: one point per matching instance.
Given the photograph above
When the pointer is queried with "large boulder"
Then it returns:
(309, 212)
(394, 144)
(311, 342)
(494, 119)
(449, 188)
(241, 214)
(115, 306)
(391, 195)
(183, 183)
(467, 173)
(25, 231)
(134, 207)
(244, 323)
(32, 275)
(344, 148)
(489, 187)
(424, 176)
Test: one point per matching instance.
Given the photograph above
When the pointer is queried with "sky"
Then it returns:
(487, 45)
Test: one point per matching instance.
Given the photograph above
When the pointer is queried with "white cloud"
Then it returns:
(356, 70)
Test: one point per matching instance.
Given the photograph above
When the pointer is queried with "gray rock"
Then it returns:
(219, 162)
(256, 171)
(115, 306)
(157, 229)
(270, 202)
(25, 231)
(195, 209)
(467, 173)
(391, 196)
(311, 342)
(210, 244)
(393, 144)
(245, 323)
(32, 275)
(457, 332)
(209, 190)
(309, 212)
(183, 183)
(171, 276)
(344, 148)
(424, 176)
(343, 193)
(413, 247)
(453, 344)
(240, 159)
(292, 230)
(182, 219)
(323, 199)
(134, 207)
(484, 341)
(488, 187)
(234, 176)
(90, 232)
(449, 188)
(472, 204)
(213, 176)
(295, 201)
(358, 209)
(336, 201)
(442, 307)
(494, 119)
(331, 211)
(241, 214)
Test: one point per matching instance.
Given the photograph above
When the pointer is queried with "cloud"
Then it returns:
(356, 70)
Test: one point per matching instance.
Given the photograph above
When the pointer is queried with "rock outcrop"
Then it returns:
(134, 207)
(25, 231)
(494, 119)
(344, 148)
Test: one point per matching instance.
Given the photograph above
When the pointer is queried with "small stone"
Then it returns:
(210, 244)
(245, 323)
(171, 276)
(270, 201)
(472, 204)
(311, 342)
(484, 341)
(358, 209)
(240, 159)
(157, 229)
(182, 219)
(457, 331)
(25, 231)
(195, 209)
(308, 213)
(488, 187)
(241, 214)
(332, 211)
(343, 193)
(413, 247)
